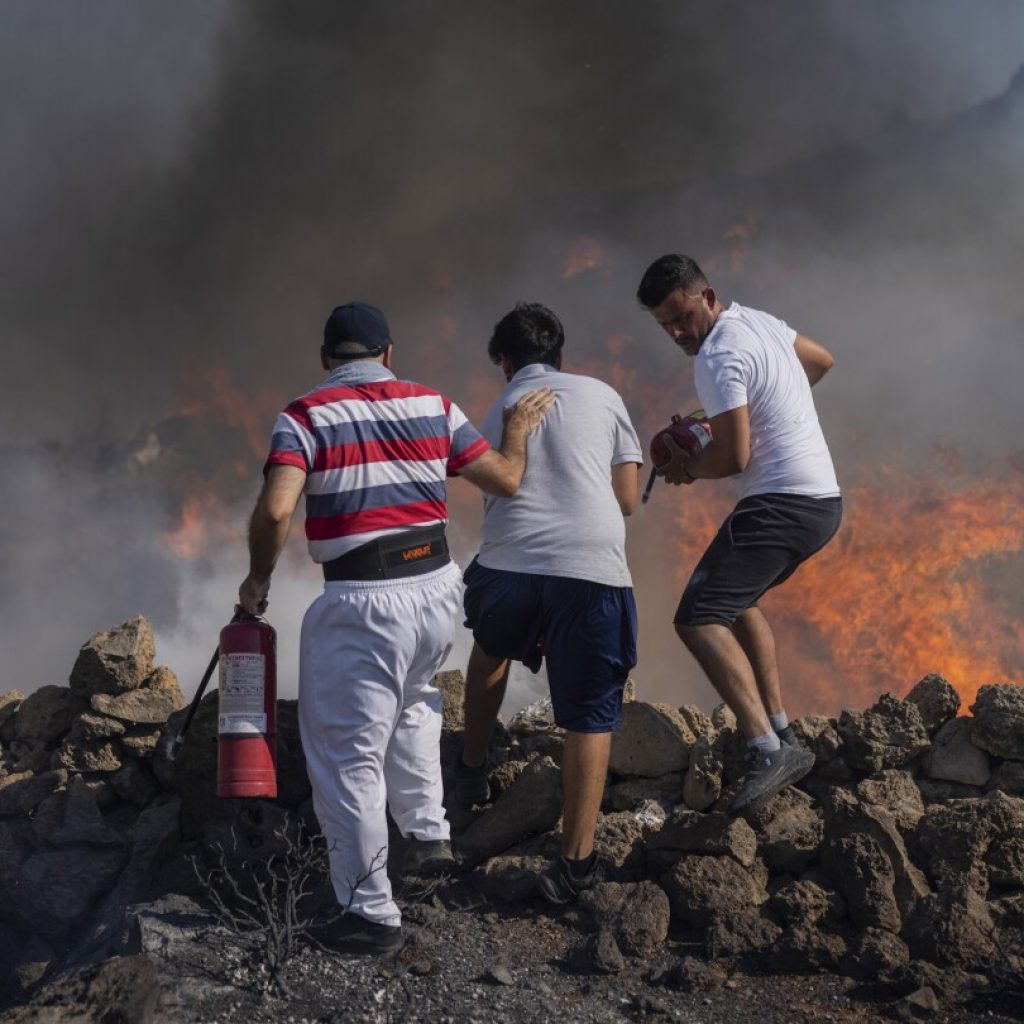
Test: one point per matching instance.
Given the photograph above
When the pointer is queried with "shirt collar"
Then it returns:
(532, 371)
(362, 371)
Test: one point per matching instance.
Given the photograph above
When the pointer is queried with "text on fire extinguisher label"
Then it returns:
(242, 708)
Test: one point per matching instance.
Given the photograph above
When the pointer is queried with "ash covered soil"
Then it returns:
(468, 961)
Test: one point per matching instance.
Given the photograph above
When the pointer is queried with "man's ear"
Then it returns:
(710, 297)
(507, 368)
(323, 358)
(388, 354)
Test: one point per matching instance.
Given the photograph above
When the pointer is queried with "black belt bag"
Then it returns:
(410, 553)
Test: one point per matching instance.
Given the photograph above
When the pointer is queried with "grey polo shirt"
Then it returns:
(564, 520)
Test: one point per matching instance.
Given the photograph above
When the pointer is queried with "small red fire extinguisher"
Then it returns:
(246, 708)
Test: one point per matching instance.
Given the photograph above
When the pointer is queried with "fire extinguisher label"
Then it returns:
(242, 708)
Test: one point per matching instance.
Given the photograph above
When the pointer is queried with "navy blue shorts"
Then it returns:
(586, 632)
(765, 539)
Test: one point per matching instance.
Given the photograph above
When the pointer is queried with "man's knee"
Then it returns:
(690, 635)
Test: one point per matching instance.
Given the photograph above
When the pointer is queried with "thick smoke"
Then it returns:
(191, 188)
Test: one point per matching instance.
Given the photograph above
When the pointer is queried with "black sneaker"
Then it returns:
(471, 785)
(769, 772)
(424, 857)
(352, 933)
(559, 885)
(788, 735)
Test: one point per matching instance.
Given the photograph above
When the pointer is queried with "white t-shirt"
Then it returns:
(564, 519)
(749, 359)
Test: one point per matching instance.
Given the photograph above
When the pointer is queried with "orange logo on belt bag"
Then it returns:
(413, 553)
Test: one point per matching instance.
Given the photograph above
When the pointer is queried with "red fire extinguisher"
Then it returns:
(247, 708)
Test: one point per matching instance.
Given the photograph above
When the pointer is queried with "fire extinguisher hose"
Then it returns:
(176, 745)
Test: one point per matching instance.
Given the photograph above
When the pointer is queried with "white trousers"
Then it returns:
(370, 722)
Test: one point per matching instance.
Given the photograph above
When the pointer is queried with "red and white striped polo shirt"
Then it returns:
(376, 451)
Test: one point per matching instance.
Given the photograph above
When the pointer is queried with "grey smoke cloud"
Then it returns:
(193, 187)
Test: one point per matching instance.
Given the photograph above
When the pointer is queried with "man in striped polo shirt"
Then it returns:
(372, 454)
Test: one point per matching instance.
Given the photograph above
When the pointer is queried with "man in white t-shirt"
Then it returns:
(551, 583)
(753, 375)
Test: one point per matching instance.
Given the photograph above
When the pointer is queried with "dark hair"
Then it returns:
(665, 275)
(531, 333)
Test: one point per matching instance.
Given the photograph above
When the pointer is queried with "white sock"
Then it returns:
(779, 721)
(768, 743)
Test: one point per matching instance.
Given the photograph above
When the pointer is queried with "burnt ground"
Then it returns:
(469, 961)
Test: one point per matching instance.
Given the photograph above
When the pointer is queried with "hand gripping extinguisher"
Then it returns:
(692, 433)
(247, 708)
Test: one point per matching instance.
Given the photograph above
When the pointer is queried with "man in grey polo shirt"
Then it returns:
(551, 582)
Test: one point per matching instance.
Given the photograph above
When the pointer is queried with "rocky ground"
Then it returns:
(888, 885)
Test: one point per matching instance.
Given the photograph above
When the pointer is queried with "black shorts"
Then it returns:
(762, 543)
(585, 631)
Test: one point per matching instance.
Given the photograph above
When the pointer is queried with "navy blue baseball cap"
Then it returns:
(356, 329)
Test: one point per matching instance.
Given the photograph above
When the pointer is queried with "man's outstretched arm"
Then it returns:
(501, 472)
(268, 531)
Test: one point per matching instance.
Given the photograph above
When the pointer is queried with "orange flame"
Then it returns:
(900, 592)
(584, 254)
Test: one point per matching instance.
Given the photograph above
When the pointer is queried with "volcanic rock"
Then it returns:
(937, 700)
(921, 1004)
(722, 717)
(653, 740)
(1005, 860)
(152, 702)
(890, 734)
(512, 876)
(702, 785)
(954, 758)
(936, 791)
(88, 756)
(533, 803)
(81, 821)
(702, 887)
(867, 860)
(135, 783)
(693, 975)
(699, 723)
(1008, 777)
(115, 660)
(96, 727)
(60, 886)
(453, 687)
(872, 952)
(625, 795)
(45, 716)
(730, 750)
(803, 948)
(789, 839)
(951, 927)
(619, 838)
(637, 914)
(692, 832)
(24, 794)
(952, 840)
(140, 742)
(739, 934)
(818, 734)
(897, 793)
(807, 902)
(599, 954)
(998, 723)
(9, 703)
(536, 717)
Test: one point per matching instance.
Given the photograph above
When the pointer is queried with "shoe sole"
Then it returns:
(445, 866)
(798, 771)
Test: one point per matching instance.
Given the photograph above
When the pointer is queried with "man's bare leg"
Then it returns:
(584, 769)
(486, 679)
(755, 636)
(731, 674)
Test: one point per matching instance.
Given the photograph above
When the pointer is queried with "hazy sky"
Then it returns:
(189, 188)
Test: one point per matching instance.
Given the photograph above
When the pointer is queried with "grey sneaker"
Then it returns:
(352, 933)
(768, 773)
(788, 735)
(471, 785)
(559, 885)
(424, 857)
